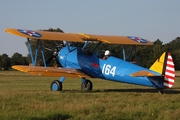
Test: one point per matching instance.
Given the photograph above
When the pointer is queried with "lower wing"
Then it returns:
(51, 71)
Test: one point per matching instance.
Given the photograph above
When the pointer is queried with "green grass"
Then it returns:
(24, 96)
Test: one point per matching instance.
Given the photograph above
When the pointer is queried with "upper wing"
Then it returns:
(80, 37)
(49, 71)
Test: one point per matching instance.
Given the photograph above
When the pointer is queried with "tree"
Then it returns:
(174, 49)
(18, 59)
(5, 62)
(157, 50)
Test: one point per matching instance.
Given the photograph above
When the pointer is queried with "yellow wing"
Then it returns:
(49, 71)
(80, 37)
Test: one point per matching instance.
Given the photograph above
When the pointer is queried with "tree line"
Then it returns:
(146, 55)
(17, 59)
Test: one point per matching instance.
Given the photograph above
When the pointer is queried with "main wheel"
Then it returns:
(56, 85)
(87, 86)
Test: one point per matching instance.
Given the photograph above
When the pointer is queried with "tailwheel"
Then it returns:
(87, 86)
(56, 85)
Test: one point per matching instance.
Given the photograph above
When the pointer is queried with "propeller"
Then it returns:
(54, 55)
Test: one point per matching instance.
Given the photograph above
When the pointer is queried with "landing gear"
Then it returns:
(56, 85)
(87, 85)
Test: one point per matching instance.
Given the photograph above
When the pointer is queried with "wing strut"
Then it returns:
(130, 53)
(124, 54)
(34, 59)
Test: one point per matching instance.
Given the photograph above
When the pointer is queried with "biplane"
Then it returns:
(78, 63)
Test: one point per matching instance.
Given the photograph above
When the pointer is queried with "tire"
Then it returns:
(56, 85)
(87, 86)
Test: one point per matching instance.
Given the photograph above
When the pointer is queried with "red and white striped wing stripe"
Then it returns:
(169, 76)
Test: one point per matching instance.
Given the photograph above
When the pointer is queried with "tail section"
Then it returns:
(165, 66)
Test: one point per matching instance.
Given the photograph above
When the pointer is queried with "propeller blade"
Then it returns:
(48, 49)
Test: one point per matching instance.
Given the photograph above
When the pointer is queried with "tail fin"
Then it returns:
(165, 66)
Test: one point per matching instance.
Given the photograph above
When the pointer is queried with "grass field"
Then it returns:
(24, 96)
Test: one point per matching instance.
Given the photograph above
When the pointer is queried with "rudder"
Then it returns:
(169, 75)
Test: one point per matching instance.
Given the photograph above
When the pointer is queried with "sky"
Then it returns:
(149, 19)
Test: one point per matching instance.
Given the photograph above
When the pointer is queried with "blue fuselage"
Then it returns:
(113, 68)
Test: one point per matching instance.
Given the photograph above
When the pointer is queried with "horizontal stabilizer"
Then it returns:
(50, 71)
(143, 73)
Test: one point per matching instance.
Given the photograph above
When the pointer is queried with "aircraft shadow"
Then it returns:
(137, 90)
